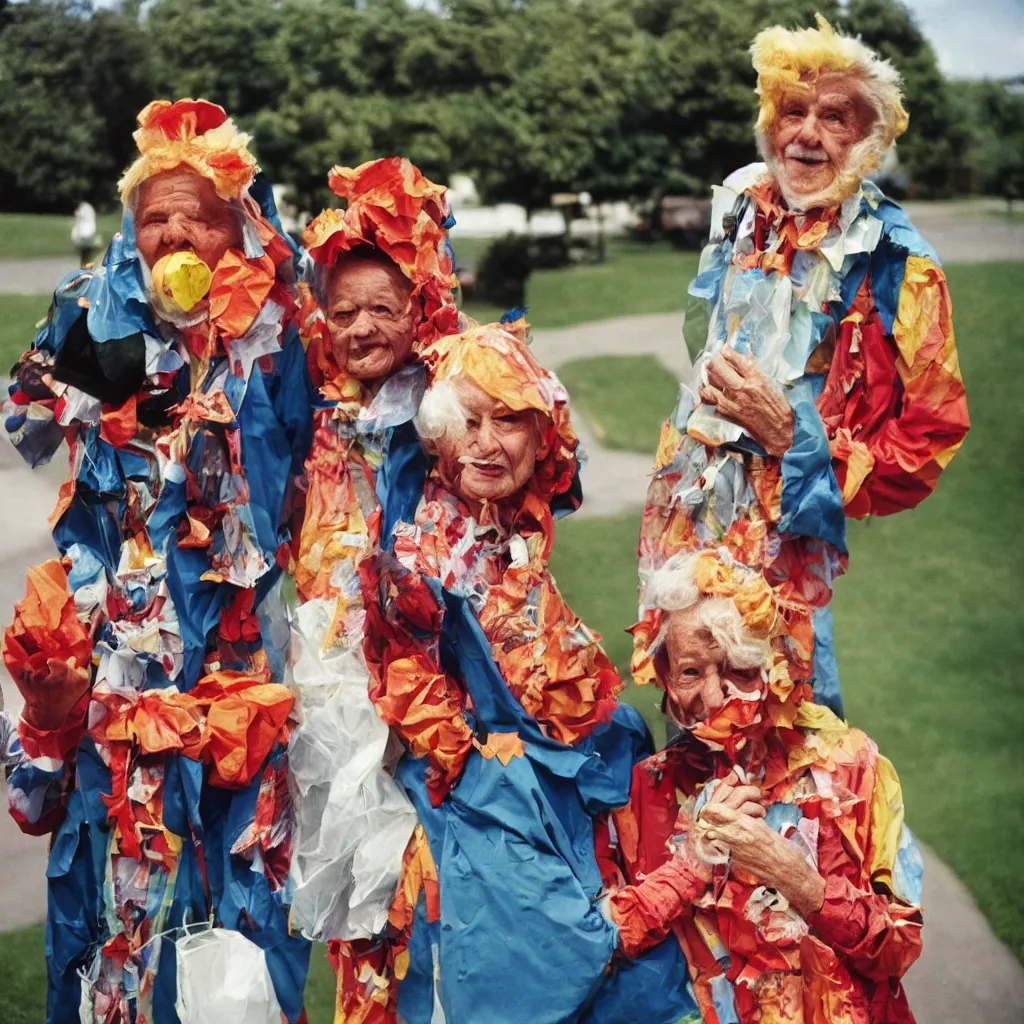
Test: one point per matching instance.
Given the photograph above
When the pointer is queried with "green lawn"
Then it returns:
(928, 620)
(27, 236)
(19, 315)
(624, 399)
(637, 277)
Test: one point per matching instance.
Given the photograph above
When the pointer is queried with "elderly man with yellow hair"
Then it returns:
(153, 742)
(828, 384)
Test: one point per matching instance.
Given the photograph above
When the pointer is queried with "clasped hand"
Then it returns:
(742, 393)
(733, 821)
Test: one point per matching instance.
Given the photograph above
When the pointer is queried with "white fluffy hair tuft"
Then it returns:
(672, 589)
(441, 411)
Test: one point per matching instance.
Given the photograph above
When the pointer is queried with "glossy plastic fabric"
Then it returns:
(200, 828)
(754, 958)
(848, 312)
(519, 882)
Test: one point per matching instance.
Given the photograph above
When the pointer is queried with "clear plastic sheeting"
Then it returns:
(353, 820)
(223, 976)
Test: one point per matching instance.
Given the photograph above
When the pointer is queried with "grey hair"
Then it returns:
(671, 588)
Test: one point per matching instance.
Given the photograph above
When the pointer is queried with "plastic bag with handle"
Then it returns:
(223, 976)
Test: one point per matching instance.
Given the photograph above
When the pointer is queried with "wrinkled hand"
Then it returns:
(742, 393)
(730, 794)
(737, 796)
(762, 852)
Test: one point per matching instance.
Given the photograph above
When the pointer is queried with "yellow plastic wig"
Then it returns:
(786, 59)
(790, 60)
(196, 134)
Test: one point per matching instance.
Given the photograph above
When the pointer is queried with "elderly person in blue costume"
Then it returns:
(828, 385)
(152, 745)
(506, 705)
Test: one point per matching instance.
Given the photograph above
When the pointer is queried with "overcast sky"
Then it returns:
(974, 38)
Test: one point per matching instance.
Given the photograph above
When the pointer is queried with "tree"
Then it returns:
(928, 151)
(68, 79)
(992, 116)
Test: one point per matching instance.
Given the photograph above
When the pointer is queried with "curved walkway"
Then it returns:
(965, 973)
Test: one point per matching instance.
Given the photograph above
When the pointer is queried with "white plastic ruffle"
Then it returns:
(353, 820)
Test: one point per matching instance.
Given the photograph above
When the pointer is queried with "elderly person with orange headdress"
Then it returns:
(382, 277)
(828, 385)
(767, 841)
(507, 708)
(151, 657)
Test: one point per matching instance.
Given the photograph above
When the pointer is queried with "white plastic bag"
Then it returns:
(222, 977)
(353, 820)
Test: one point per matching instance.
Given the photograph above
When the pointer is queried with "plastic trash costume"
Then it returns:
(354, 820)
(182, 393)
(830, 813)
(844, 308)
(514, 738)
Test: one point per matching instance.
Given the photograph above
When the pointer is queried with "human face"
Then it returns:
(816, 127)
(369, 318)
(495, 454)
(700, 679)
(180, 209)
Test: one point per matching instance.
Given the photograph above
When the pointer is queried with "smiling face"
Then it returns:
(369, 317)
(815, 130)
(700, 679)
(178, 210)
(495, 454)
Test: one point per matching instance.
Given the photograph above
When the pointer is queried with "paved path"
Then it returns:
(965, 974)
(615, 482)
(969, 232)
(34, 277)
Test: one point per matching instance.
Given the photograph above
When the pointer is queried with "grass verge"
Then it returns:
(623, 398)
(637, 277)
(19, 315)
(30, 236)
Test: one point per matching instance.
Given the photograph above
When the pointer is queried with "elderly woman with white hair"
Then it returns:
(767, 841)
(828, 384)
(513, 738)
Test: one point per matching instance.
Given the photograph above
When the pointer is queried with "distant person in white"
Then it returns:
(83, 233)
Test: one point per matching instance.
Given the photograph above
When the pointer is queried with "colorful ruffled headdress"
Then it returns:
(196, 134)
(392, 207)
(788, 60)
(496, 357)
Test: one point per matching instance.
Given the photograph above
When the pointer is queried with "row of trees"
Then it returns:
(624, 99)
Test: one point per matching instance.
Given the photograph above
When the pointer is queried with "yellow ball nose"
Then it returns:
(181, 280)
